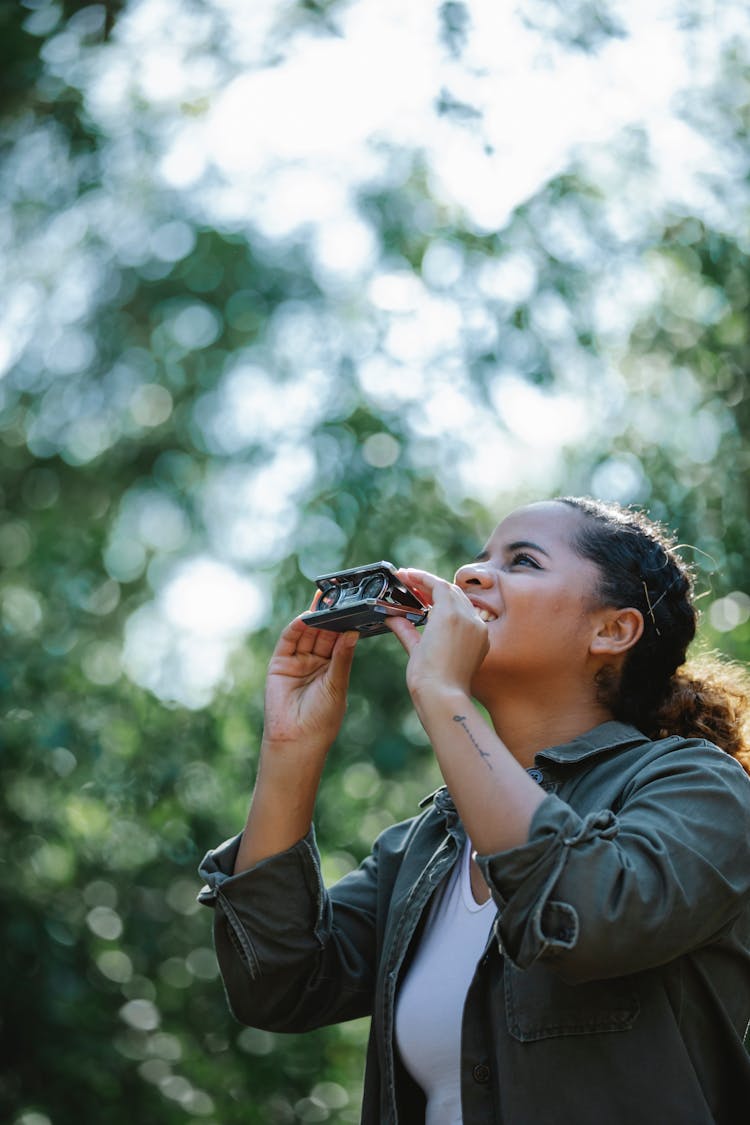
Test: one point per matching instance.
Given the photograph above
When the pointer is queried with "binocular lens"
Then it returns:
(373, 587)
(329, 597)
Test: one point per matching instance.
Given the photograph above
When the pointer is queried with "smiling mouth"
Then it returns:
(486, 615)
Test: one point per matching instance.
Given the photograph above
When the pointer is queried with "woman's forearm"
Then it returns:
(282, 805)
(494, 795)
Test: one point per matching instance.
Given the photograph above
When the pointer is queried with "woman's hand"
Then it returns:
(306, 686)
(452, 644)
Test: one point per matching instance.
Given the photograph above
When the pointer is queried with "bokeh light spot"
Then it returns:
(381, 450)
(729, 612)
(140, 1014)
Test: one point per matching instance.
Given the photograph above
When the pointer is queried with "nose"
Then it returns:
(473, 574)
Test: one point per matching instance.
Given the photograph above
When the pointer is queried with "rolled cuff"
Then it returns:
(276, 912)
(532, 923)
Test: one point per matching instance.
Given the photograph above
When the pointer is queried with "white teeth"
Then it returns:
(486, 616)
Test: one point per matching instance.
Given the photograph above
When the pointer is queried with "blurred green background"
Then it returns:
(288, 286)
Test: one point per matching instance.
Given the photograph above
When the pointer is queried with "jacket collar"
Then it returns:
(601, 740)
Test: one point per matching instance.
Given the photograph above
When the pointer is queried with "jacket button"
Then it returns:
(481, 1073)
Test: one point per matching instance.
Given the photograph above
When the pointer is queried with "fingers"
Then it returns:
(342, 654)
(428, 586)
(406, 632)
(421, 582)
(319, 642)
(290, 637)
(445, 599)
(298, 637)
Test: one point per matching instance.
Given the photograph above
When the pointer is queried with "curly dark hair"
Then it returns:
(656, 691)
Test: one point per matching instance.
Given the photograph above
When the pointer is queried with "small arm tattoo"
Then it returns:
(461, 720)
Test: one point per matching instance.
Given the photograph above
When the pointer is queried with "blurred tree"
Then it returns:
(26, 28)
(187, 397)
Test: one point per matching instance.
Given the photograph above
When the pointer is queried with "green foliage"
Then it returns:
(180, 388)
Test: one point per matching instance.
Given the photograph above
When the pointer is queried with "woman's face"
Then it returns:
(536, 595)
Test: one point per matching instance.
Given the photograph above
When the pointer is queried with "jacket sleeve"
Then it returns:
(610, 893)
(292, 955)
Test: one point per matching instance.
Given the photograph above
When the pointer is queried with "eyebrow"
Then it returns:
(515, 546)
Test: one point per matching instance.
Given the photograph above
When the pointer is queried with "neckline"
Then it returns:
(467, 893)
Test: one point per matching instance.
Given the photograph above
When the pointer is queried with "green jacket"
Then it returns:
(615, 986)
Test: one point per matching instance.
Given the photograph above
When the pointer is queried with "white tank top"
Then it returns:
(430, 1003)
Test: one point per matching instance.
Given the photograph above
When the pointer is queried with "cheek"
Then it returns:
(564, 620)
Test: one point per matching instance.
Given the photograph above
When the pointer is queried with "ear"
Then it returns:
(617, 630)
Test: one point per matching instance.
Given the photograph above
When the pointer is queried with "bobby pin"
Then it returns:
(651, 607)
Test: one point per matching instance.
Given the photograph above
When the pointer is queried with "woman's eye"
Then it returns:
(522, 559)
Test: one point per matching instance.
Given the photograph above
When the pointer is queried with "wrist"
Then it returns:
(297, 762)
(435, 700)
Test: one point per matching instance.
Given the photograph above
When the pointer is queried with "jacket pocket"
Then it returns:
(539, 1005)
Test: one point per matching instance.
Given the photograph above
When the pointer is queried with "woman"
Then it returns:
(563, 935)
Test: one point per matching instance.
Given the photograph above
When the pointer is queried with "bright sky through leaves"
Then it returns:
(275, 137)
